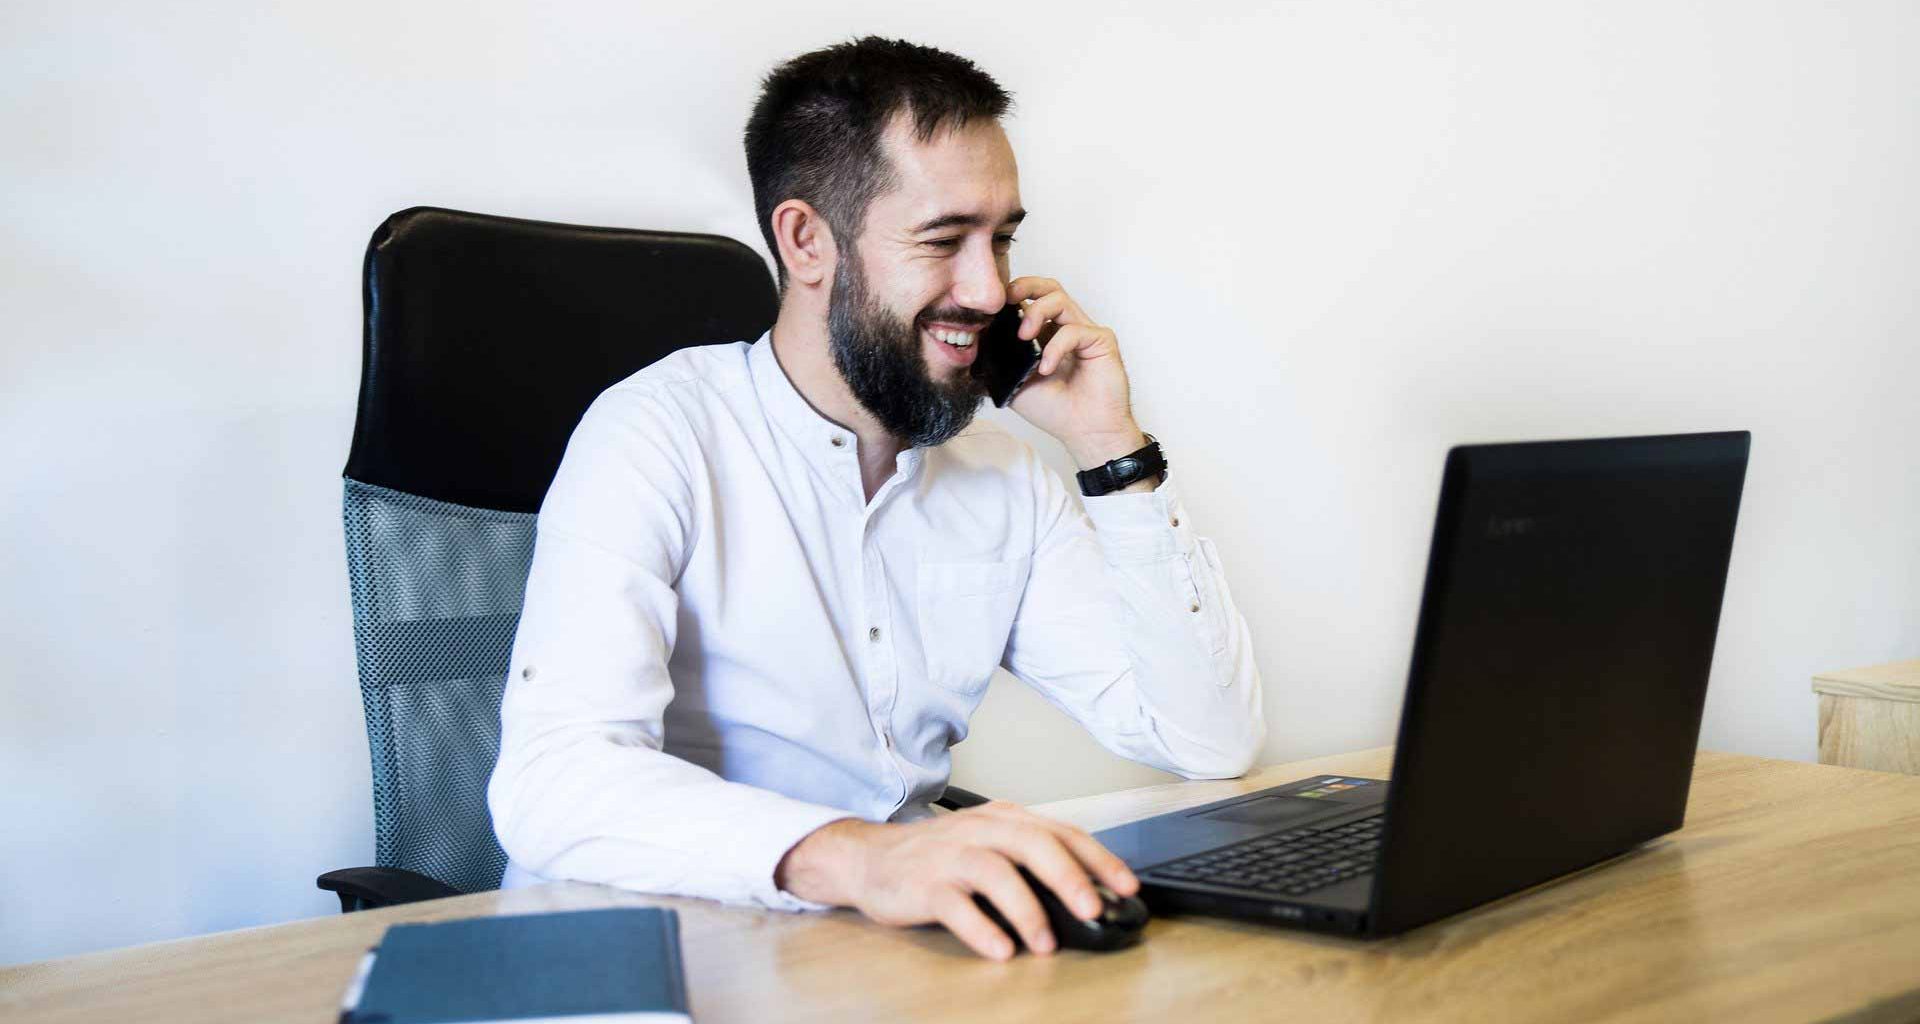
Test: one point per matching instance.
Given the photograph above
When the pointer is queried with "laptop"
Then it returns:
(1552, 709)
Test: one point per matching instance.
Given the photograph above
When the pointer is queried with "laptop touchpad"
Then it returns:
(1270, 810)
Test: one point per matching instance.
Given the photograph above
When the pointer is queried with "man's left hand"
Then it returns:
(1079, 392)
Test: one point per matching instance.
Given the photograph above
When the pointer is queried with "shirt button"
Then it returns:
(874, 633)
(839, 442)
(1194, 607)
(1175, 521)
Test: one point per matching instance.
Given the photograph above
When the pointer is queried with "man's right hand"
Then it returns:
(928, 871)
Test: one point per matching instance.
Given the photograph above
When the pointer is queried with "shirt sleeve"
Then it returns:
(1152, 658)
(582, 789)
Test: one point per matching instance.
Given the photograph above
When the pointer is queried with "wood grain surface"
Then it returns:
(1792, 894)
(1898, 681)
(1870, 717)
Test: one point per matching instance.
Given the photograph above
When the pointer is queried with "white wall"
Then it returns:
(1335, 238)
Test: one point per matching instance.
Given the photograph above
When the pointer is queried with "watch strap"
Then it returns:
(1139, 464)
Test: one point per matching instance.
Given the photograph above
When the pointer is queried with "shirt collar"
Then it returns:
(806, 427)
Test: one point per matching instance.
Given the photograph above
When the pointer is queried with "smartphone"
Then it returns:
(1005, 360)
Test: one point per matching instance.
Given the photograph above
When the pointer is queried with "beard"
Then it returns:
(881, 358)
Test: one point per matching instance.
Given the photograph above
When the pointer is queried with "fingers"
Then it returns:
(1053, 863)
(1037, 312)
(1062, 856)
(1049, 301)
(1022, 288)
(993, 876)
(955, 910)
(964, 868)
(1077, 340)
(1105, 866)
(1064, 341)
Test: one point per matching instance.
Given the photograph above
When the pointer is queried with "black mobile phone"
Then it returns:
(1006, 360)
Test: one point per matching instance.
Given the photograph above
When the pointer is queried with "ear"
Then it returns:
(805, 240)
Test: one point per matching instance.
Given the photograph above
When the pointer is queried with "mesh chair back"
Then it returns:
(486, 339)
(436, 596)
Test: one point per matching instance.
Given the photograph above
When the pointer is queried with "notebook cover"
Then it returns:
(586, 963)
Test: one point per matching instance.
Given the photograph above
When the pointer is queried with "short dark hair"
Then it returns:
(815, 131)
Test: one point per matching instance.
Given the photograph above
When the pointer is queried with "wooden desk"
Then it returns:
(1792, 894)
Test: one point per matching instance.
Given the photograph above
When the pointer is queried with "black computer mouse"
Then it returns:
(1118, 926)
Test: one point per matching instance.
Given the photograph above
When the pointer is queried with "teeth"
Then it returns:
(958, 339)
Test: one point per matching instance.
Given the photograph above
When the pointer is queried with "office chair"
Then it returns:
(486, 338)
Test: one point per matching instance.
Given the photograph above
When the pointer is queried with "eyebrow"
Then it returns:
(964, 220)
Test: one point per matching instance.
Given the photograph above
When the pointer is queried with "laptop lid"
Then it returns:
(1560, 663)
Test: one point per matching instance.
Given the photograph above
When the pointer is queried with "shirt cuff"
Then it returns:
(1144, 526)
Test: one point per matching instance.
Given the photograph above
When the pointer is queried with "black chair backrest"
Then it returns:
(487, 337)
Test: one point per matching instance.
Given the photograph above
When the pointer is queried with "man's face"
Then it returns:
(931, 260)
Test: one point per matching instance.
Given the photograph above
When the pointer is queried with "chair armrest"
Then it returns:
(955, 799)
(371, 888)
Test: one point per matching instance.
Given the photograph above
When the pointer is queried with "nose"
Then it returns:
(978, 283)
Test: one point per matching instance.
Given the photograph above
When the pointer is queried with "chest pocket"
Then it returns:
(966, 612)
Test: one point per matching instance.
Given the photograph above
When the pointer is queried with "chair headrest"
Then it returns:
(488, 337)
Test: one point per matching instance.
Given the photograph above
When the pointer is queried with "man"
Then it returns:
(772, 579)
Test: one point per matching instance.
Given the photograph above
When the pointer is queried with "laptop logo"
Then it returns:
(1502, 527)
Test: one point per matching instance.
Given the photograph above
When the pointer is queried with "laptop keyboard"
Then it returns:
(1289, 863)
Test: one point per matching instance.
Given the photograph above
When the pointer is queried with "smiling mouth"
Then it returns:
(958, 337)
(956, 345)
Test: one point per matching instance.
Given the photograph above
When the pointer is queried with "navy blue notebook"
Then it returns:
(569, 968)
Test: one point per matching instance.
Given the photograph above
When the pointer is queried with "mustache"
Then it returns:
(957, 317)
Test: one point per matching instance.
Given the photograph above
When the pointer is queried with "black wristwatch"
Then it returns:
(1135, 465)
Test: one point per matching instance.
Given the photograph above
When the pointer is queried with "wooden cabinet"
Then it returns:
(1870, 717)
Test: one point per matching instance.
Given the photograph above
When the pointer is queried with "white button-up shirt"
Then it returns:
(725, 646)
